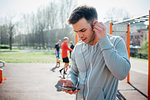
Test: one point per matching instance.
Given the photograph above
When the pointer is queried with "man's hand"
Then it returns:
(99, 29)
(68, 83)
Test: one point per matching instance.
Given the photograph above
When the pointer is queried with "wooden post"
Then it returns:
(128, 48)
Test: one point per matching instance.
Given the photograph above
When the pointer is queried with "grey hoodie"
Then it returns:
(97, 68)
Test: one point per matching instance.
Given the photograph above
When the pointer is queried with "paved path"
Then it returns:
(40, 82)
(31, 82)
(140, 66)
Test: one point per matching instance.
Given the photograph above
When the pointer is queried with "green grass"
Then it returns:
(14, 49)
(30, 57)
(139, 58)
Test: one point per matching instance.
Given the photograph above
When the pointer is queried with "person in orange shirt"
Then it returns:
(65, 48)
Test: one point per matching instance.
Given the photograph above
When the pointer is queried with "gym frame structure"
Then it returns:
(128, 22)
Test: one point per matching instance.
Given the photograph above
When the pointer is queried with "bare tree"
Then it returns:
(42, 27)
(33, 31)
(65, 10)
(51, 15)
(116, 14)
(11, 33)
(8, 28)
(4, 34)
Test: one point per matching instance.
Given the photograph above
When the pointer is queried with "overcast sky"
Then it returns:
(134, 7)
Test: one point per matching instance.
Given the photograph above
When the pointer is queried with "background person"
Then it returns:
(57, 52)
(71, 46)
(65, 48)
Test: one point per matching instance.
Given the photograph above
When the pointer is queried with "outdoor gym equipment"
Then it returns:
(1, 70)
(134, 21)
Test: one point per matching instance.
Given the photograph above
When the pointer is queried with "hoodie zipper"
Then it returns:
(88, 82)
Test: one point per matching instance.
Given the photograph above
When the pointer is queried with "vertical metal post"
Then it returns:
(1, 75)
(128, 48)
(76, 38)
(148, 98)
(110, 28)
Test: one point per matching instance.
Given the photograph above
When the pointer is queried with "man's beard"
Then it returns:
(92, 38)
(93, 35)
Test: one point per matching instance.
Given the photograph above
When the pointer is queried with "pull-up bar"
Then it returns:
(134, 21)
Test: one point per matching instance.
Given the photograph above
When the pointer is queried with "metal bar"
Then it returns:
(120, 96)
(119, 31)
(111, 28)
(132, 20)
(128, 48)
(138, 90)
(76, 38)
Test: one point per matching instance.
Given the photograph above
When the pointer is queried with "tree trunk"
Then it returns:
(10, 41)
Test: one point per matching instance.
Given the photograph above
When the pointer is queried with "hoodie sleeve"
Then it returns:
(115, 56)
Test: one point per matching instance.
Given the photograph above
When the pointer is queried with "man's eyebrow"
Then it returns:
(80, 30)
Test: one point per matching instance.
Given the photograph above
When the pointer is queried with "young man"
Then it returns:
(57, 50)
(65, 48)
(98, 61)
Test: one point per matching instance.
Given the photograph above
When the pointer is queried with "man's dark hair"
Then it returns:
(87, 12)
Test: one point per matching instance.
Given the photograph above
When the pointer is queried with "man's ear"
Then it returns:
(93, 22)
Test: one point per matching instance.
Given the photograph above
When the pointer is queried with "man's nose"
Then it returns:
(80, 35)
